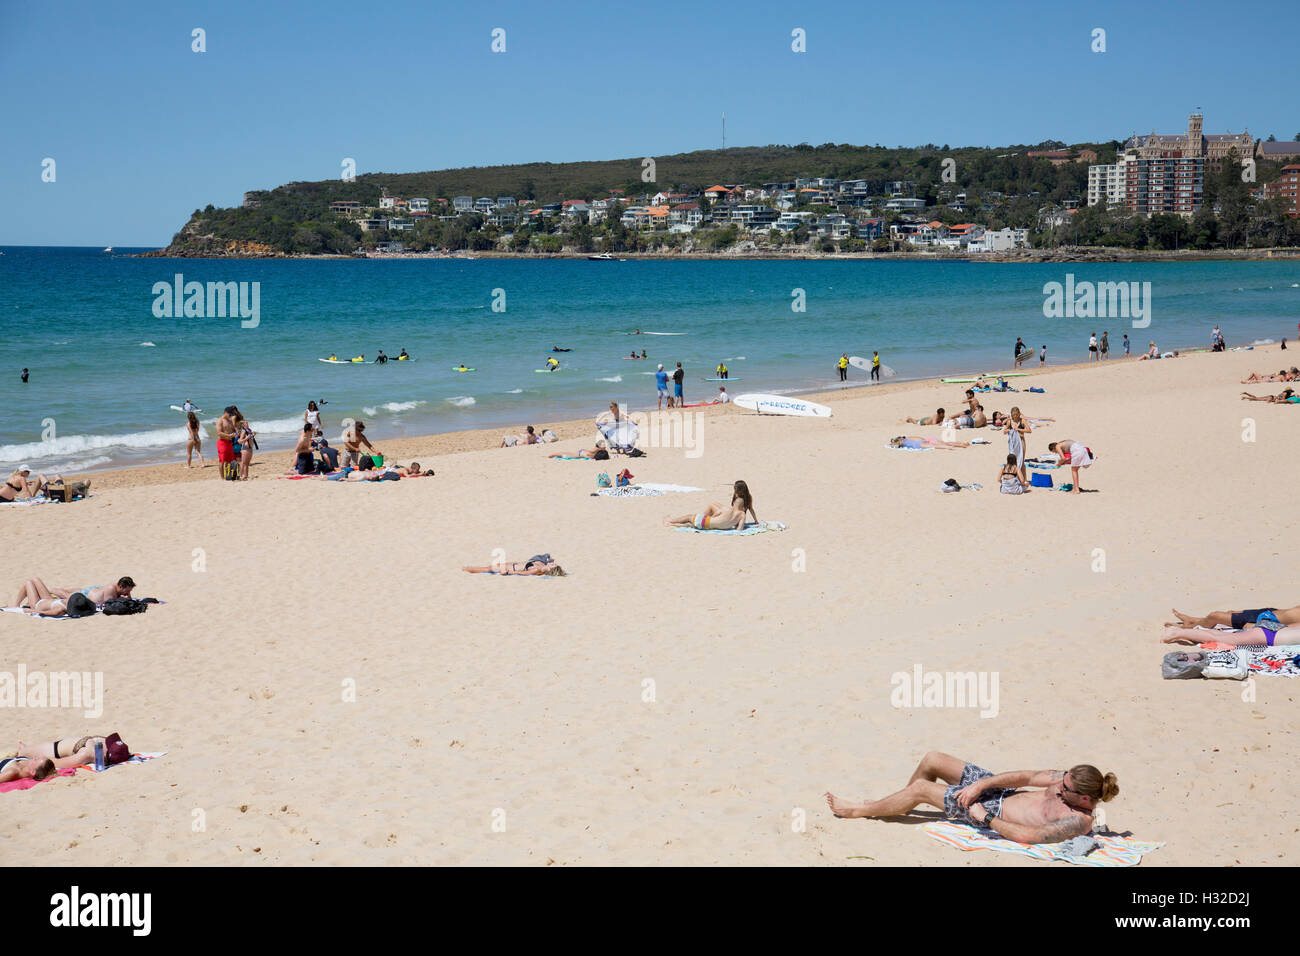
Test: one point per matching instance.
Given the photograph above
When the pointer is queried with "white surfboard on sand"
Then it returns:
(780, 405)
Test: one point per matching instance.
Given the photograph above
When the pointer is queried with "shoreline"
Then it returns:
(441, 444)
(1062, 254)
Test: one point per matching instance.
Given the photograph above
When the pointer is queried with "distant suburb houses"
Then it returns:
(801, 210)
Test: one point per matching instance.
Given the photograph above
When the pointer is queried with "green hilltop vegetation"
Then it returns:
(1004, 187)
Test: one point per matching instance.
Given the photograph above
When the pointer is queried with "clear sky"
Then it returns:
(143, 130)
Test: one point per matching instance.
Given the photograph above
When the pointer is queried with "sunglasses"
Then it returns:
(1068, 789)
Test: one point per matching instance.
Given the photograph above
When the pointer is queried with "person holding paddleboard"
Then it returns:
(843, 365)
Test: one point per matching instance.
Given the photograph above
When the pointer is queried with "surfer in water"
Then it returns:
(402, 356)
(381, 358)
(552, 363)
(556, 348)
(716, 517)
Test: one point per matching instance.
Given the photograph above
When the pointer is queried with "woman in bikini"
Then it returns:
(538, 564)
(43, 600)
(1279, 399)
(915, 443)
(244, 442)
(717, 517)
(18, 485)
(194, 443)
(1010, 481)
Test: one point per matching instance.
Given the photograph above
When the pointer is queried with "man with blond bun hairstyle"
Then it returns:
(1060, 811)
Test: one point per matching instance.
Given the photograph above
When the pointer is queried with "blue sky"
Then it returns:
(144, 130)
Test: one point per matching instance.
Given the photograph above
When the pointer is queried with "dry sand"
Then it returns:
(523, 701)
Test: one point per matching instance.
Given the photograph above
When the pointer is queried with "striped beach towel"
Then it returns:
(1114, 850)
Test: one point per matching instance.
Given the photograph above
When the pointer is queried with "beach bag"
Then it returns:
(636, 453)
(377, 460)
(1039, 480)
(230, 471)
(601, 455)
(602, 480)
(367, 463)
(1180, 665)
(125, 605)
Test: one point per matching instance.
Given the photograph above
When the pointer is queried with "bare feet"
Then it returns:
(844, 809)
(1176, 638)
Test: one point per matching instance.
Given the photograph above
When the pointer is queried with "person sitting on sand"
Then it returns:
(1010, 481)
(538, 564)
(716, 517)
(1075, 454)
(1239, 619)
(1267, 633)
(18, 485)
(1152, 352)
(969, 794)
(914, 442)
(1284, 397)
(529, 437)
(935, 419)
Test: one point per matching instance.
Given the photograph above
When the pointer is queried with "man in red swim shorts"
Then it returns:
(226, 439)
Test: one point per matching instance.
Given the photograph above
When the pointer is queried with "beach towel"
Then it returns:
(750, 528)
(32, 501)
(1113, 850)
(27, 612)
(899, 448)
(644, 490)
(573, 458)
(71, 771)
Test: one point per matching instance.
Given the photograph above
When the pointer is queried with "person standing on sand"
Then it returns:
(1105, 345)
(226, 441)
(679, 379)
(1075, 454)
(193, 443)
(875, 366)
(1020, 347)
(661, 383)
(352, 441)
(843, 366)
(1042, 357)
(1016, 429)
(1092, 347)
(1126, 345)
(244, 439)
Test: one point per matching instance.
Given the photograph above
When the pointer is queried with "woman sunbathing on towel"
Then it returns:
(39, 761)
(912, 441)
(583, 452)
(1270, 633)
(1281, 398)
(935, 419)
(537, 564)
(44, 601)
(718, 518)
(1281, 376)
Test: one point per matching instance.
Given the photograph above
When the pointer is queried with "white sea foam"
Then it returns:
(66, 446)
(613, 378)
(1262, 342)
(462, 401)
(515, 391)
(369, 412)
(400, 406)
(148, 345)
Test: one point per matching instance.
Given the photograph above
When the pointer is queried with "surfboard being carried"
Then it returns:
(858, 362)
(780, 405)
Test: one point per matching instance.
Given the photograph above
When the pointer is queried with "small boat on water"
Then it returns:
(601, 257)
(109, 249)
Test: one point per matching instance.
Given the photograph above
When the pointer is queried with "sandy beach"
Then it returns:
(330, 688)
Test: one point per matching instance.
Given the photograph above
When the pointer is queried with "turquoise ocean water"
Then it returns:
(104, 369)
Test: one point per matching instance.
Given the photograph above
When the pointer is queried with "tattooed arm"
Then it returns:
(1058, 831)
(1045, 778)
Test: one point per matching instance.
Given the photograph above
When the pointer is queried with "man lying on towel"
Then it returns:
(1241, 619)
(969, 794)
